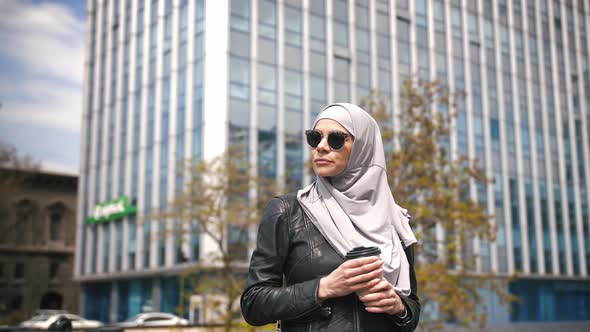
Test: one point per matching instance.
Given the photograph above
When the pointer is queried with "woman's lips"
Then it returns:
(321, 161)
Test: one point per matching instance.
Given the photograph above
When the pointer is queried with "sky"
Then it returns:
(41, 79)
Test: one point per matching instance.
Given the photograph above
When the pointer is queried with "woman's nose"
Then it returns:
(323, 145)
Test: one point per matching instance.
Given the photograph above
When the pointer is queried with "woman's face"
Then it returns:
(328, 162)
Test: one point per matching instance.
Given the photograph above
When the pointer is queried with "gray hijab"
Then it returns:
(357, 208)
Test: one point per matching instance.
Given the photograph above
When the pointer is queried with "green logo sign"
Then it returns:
(118, 208)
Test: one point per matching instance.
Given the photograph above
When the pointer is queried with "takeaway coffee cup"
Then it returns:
(359, 252)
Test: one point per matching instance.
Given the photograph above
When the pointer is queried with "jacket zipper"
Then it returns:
(355, 308)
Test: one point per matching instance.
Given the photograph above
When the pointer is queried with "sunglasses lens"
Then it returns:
(336, 140)
(314, 137)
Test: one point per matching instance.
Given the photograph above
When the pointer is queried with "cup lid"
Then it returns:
(359, 252)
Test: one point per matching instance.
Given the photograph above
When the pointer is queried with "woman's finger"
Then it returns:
(357, 262)
(374, 291)
(380, 297)
(380, 310)
(380, 302)
(364, 285)
(353, 278)
(383, 285)
(352, 272)
(352, 269)
(386, 301)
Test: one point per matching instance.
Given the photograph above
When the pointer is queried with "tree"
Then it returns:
(14, 170)
(435, 188)
(10, 158)
(220, 201)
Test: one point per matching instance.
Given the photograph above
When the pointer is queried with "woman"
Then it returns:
(298, 273)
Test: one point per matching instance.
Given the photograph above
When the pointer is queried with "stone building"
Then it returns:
(37, 241)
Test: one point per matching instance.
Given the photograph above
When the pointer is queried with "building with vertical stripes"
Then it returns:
(167, 80)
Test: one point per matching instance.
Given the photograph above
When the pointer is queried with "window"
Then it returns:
(293, 83)
(237, 239)
(240, 8)
(402, 4)
(239, 77)
(55, 220)
(317, 7)
(340, 25)
(403, 29)
(24, 215)
(456, 22)
(53, 270)
(16, 303)
(293, 26)
(495, 129)
(362, 16)
(341, 79)
(266, 77)
(293, 57)
(317, 65)
(340, 34)
(317, 27)
(19, 271)
(439, 15)
(267, 19)
(157, 318)
(318, 88)
(240, 43)
(106, 244)
(267, 51)
(363, 41)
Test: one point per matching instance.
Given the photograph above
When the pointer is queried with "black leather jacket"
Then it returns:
(290, 246)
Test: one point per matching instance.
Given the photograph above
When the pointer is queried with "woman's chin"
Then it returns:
(326, 171)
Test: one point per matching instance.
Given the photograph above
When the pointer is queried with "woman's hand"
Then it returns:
(382, 298)
(351, 276)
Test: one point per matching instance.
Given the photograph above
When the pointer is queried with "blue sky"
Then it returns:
(41, 74)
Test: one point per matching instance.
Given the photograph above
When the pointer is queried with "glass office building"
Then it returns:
(167, 80)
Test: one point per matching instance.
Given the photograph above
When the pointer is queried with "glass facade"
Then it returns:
(140, 113)
(97, 297)
(523, 65)
(550, 301)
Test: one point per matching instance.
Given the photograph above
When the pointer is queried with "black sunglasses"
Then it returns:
(336, 139)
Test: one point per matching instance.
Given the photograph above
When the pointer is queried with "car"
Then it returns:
(43, 321)
(154, 319)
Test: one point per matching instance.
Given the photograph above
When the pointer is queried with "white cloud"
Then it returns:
(46, 103)
(58, 168)
(43, 45)
(45, 38)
